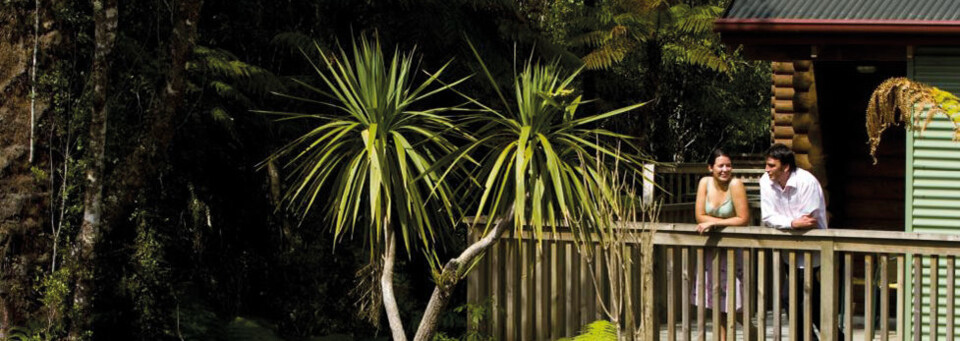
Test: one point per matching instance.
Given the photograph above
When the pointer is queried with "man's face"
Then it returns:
(776, 170)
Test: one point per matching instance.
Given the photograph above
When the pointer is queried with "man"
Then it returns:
(791, 198)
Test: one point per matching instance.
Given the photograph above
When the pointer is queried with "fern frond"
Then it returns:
(916, 103)
(697, 54)
(600, 330)
(697, 21)
(605, 56)
(591, 39)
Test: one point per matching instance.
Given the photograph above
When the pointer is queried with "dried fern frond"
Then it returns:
(368, 294)
(916, 103)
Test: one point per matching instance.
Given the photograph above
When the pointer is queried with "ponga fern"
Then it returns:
(601, 330)
(916, 102)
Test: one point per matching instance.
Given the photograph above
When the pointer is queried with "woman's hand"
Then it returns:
(705, 227)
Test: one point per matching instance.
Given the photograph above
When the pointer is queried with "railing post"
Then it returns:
(828, 291)
(649, 184)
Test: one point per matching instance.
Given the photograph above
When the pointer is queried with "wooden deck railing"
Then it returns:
(546, 292)
(678, 189)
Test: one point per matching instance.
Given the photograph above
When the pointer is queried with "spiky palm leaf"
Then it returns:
(540, 162)
(368, 159)
(917, 104)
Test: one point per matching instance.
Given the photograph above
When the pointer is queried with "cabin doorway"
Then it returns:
(860, 195)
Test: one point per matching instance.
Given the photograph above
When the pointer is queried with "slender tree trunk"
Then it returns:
(386, 283)
(140, 166)
(453, 271)
(105, 20)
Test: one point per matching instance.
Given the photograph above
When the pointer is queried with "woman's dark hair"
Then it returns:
(714, 155)
(780, 151)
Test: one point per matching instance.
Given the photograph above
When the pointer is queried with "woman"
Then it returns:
(721, 201)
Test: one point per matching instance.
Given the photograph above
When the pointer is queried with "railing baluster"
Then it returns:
(671, 297)
(526, 309)
(572, 259)
(715, 289)
(701, 297)
(951, 276)
(792, 299)
(601, 279)
(828, 291)
(901, 287)
(868, 297)
(917, 292)
(884, 300)
(747, 294)
(496, 291)
(541, 294)
(848, 296)
(777, 274)
(510, 288)
(685, 293)
(557, 311)
(807, 293)
(761, 294)
(934, 295)
(731, 294)
(586, 289)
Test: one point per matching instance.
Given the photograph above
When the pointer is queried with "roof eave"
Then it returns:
(833, 26)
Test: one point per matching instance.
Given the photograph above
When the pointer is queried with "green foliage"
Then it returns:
(683, 32)
(375, 150)
(538, 158)
(600, 330)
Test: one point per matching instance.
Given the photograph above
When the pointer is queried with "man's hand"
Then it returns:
(804, 222)
(704, 227)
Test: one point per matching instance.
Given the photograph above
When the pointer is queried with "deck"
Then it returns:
(645, 278)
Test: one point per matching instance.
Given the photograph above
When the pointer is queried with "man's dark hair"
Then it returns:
(781, 152)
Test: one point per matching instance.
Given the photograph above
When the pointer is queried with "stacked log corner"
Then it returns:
(795, 119)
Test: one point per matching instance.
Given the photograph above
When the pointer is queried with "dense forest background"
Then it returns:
(137, 206)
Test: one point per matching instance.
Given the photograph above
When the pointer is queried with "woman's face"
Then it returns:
(722, 168)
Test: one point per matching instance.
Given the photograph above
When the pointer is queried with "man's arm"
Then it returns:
(770, 216)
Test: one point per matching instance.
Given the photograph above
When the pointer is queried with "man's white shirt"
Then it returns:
(802, 195)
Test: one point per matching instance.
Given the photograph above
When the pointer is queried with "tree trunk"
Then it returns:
(105, 31)
(386, 283)
(141, 165)
(452, 273)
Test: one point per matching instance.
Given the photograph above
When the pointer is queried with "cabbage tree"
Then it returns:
(539, 162)
(370, 155)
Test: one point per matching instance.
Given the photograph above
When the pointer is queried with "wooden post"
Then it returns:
(792, 296)
(649, 183)
(715, 305)
(934, 298)
(884, 299)
(828, 292)
(671, 297)
(901, 293)
(701, 297)
(777, 274)
(868, 297)
(761, 295)
(685, 293)
(848, 297)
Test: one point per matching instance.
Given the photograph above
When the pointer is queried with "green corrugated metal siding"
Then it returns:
(933, 174)
(845, 9)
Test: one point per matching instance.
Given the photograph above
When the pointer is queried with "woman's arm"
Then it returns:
(738, 193)
(701, 211)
